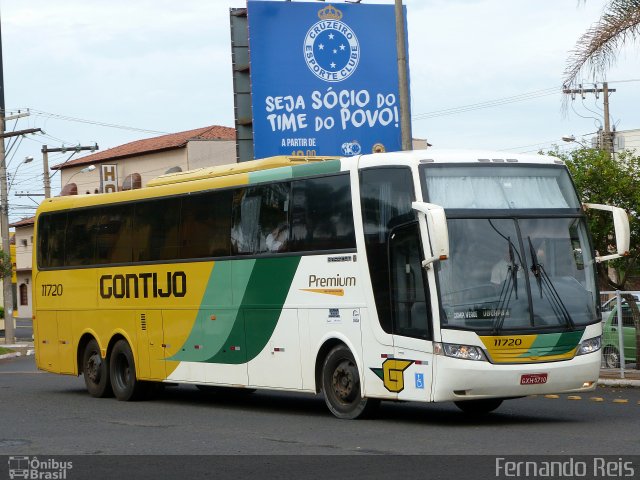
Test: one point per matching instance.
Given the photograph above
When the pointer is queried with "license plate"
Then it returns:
(533, 379)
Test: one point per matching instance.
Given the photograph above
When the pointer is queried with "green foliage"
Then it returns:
(612, 180)
(597, 48)
(5, 264)
(1, 312)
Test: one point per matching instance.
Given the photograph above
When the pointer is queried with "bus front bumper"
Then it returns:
(458, 379)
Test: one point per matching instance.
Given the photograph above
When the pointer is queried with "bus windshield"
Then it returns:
(518, 268)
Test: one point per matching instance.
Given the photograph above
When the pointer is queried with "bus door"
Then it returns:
(410, 371)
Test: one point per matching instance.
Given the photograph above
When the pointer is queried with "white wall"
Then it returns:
(197, 154)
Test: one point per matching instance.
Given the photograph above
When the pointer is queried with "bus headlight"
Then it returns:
(465, 352)
(590, 346)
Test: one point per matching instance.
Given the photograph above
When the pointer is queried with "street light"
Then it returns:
(15, 174)
(572, 139)
(88, 168)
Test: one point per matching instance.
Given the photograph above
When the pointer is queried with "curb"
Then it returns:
(19, 350)
(10, 355)
(618, 382)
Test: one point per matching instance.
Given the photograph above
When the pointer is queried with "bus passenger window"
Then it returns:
(155, 231)
(115, 232)
(322, 216)
(246, 213)
(260, 219)
(80, 241)
(51, 238)
(206, 225)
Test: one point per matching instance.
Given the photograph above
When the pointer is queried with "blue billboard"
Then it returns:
(324, 78)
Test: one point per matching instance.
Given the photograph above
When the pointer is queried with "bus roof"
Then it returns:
(440, 155)
(233, 169)
(282, 167)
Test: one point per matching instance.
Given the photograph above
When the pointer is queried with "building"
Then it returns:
(124, 167)
(24, 249)
(627, 140)
(133, 164)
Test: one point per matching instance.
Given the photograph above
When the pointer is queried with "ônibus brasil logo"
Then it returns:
(331, 48)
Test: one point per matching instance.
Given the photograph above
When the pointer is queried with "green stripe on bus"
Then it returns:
(316, 168)
(282, 173)
(261, 307)
(554, 344)
(239, 329)
(221, 300)
(297, 171)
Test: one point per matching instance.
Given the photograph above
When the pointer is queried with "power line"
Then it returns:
(490, 103)
(57, 116)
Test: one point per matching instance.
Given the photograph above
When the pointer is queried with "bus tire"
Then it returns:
(95, 371)
(341, 386)
(479, 407)
(122, 370)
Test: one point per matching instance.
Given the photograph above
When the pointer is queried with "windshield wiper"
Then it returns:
(513, 267)
(544, 282)
(536, 268)
(509, 285)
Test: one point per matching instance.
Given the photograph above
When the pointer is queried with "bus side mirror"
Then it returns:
(621, 227)
(437, 228)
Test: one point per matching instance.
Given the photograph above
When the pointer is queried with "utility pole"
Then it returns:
(45, 161)
(608, 137)
(403, 81)
(7, 291)
(606, 142)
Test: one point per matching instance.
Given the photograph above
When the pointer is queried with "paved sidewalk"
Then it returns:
(613, 378)
(19, 349)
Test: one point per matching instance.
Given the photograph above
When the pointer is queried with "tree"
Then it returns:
(614, 180)
(5, 264)
(597, 48)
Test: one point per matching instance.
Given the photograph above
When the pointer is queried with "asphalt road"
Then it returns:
(23, 330)
(41, 413)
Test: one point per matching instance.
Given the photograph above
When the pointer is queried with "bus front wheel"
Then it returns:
(341, 386)
(122, 370)
(95, 371)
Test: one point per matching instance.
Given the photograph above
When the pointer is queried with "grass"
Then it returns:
(4, 350)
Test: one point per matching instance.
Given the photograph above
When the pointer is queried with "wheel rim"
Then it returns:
(94, 367)
(123, 371)
(343, 382)
(612, 359)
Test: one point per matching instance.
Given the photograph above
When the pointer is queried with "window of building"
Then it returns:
(24, 295)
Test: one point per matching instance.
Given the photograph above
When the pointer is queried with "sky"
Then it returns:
(91, 71)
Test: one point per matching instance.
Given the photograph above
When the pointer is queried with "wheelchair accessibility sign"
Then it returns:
(420, 380)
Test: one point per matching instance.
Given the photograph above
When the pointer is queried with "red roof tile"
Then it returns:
(25, 222)
(151, 145)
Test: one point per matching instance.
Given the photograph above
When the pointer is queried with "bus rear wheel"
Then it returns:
(479, 407)
(341, 386)
(95, 371)
(122, 370)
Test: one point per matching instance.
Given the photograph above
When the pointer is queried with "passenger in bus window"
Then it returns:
(277, 239)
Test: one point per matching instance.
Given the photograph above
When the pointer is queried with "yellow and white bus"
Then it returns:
(427, 276)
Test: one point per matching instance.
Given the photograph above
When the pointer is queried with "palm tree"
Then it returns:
(596, 50)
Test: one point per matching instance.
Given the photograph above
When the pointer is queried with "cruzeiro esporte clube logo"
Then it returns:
(331, 48)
